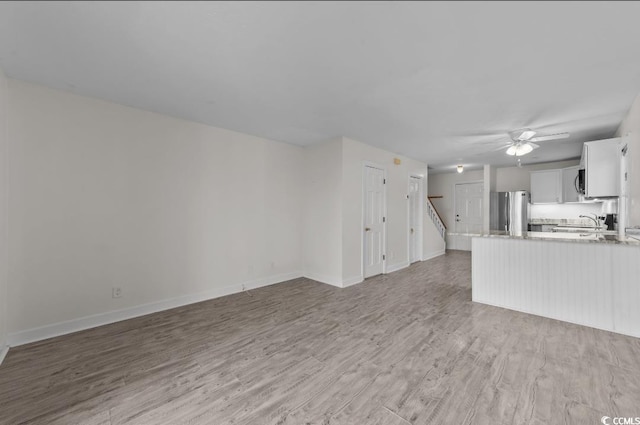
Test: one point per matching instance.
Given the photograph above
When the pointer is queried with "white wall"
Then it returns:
(3, 213)
(444, 185)
(355, 154)
(433, 244)
(323, 212)
(631, 126)
(174, 212)
(104, 195)
(334, 207)
(490, 177)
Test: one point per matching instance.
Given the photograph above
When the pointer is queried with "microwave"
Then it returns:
(581, 182)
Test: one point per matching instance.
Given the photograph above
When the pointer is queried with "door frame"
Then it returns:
(369, 164)
(455, 201)
(420, 234)
(625, 178)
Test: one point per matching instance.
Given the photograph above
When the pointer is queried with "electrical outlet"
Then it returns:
(116, 292)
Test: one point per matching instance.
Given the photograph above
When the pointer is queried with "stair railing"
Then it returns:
(435, 217)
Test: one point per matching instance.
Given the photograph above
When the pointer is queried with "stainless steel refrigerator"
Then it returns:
(509, 211)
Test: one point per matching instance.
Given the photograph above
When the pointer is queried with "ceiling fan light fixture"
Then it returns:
(519, 149)
(524, 149)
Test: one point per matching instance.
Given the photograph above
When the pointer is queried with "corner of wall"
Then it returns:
(352, 281)
(322, 248)
(3, 353)
(4, 135)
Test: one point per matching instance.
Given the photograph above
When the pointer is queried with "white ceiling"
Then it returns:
(416, 78)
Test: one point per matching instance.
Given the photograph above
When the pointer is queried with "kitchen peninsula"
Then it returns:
(591, 280)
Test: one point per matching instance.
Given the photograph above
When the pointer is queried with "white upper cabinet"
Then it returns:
(570, 191)
(601, 160)
(546, 187)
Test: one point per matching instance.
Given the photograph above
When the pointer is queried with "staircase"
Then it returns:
(435, 217)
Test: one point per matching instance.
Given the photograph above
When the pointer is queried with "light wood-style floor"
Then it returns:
(405, 348)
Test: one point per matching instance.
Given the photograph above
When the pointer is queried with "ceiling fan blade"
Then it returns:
(526, 135)
(550, 137)
(522, 135)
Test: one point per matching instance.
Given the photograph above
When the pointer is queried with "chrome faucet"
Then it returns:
(595, 220)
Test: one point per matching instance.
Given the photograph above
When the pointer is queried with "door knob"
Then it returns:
(366, 229)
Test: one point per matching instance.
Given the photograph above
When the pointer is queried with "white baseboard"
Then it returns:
(433, 255)
(87, 322)
(270, 280)
(3, 353)
(329, 280)
(334, 281)
(395, 267)
(352, 281)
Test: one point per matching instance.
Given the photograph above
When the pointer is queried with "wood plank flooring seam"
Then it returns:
(395, 414)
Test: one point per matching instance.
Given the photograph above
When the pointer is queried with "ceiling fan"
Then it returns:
(522, 141)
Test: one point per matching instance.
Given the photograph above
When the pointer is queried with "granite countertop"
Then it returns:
(565, 237)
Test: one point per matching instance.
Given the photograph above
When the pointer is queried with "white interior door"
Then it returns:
(469, 211)
(415, 228)
(374, 221)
